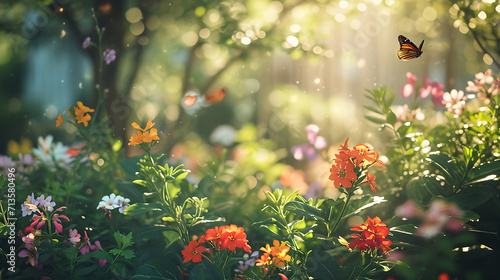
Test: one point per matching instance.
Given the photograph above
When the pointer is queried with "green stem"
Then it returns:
(349, 194)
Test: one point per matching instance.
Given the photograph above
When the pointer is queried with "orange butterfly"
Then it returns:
(216, 97)
(408, 50)
(189, 99)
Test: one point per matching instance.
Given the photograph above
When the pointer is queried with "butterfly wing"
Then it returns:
(407, 49)
(216, 97)
(189, 99)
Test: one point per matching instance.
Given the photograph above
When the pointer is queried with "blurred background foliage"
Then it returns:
(285, 64)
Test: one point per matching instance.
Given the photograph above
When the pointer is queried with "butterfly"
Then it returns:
(408, 50)
(191, 98)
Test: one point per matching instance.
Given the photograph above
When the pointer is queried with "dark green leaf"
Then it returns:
(320, 265)
(140, 208)
(303, 209)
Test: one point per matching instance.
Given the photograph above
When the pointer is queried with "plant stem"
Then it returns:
(349, 194)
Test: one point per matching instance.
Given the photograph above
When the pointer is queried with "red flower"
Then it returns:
(234, 237)
(373, 234)
(370, 179)
(193, 252)
(214, 235)
(342, 174)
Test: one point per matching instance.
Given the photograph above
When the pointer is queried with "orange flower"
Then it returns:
(342, 174)
(265, 259)
(214, 235)
(193, 252)
(279, 251)
(144, 136)
(362, 152)
(370, 179)
(59, 120)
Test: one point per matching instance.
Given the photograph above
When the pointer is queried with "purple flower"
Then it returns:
(109, 56)
(74, 236)
(46, 202)
(86, 43)
(31, 252)
(250, 262)
(309, 149)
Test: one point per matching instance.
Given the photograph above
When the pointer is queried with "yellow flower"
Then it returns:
(279, 251)
(59, 120)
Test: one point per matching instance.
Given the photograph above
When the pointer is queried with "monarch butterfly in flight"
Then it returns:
(408, 50)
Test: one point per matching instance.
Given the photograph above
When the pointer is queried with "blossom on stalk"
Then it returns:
(485, 85)
(193, 252)
(113, 201)
(31, 252)
(80, 114)
(274, 255)
(92, 247)
(372, 237)
(86, 43)
(53, 155)
(109, 56)
(74, 236)
(435, 89)
(145, 137)
(309, 149)
(454, 101)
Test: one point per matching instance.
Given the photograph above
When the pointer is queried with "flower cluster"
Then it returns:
(372, 237)
(454, 101)
(221, 238)
(80, 114)
(309, 149)
(351, 164)
(485, 84)
(435, 89)
(441, 215)
(113, 201)
(146, 137)
(274, 255)
(92, 247)
(32, 205)
(53, 155)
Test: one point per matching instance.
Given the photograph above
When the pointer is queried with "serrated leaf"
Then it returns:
(128, 254)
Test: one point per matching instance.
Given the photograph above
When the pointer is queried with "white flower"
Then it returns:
(124, 203)
(51, 154)
(109, 202)
(30, 201)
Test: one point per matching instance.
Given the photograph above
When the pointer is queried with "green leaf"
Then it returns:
(320, 265)
(2, 180)
(303, 209)
(148, 231)
(482, 171)
(140, 208)
(357, 205)
(129, 165)
(375, 120)
(205, 271)
(373, 109)
(447, 168)
(128, 254)
(115, 251)
(391, 118)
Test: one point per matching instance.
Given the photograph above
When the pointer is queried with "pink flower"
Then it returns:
(74, 236)
(57, 222)
(454, 101)
(435, 89)
(29, 238)
(31, 252)
(109, 55)
(409, 88)
(97, 246)
(309, 149)
(440, 215)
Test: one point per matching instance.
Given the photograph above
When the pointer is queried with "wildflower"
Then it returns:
(309, 149)
(144, 136)
(123, 204)
(342, 174)
(86, 43)
(370, 179)
(214, 235)
(455, 101)
(109, 56)
(233, 237)
(74, 236)
(280, 250)
(29, 238)
(109, 202)
(6, 163)
(30, 205)
(265, 259)
(81, 113)
(440, 215)
(362, 153)
(57, 222)
(51, 154)
(31, 252)
(193, 252)
(46, 203)
(372, 237)
(249, 262)
(409, 88)
(59, 120)
(88, 247)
